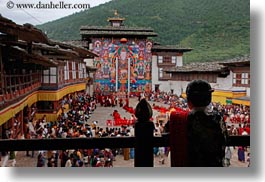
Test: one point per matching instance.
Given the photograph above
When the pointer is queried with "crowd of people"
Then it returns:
(76, 123)
(236, 117)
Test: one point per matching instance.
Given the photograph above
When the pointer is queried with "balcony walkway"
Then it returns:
(101, 114)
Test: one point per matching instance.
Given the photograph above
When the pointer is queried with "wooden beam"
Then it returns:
(1, 72)
(86, 143)
(26, 32)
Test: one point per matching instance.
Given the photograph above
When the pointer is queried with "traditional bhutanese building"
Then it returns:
(239, 78)
(125, 57)
(165, 57)
(35, 75)
(230, 79)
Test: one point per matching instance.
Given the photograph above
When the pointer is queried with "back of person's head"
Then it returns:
(199, 93)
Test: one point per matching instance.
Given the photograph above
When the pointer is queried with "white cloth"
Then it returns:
(68, 163)
(4, 160)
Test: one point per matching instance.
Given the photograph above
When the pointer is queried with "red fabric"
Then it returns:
(178, 138)
(248, 130)
(240, 131)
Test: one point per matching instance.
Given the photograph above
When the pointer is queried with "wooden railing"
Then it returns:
(109, 142)
(143, 142)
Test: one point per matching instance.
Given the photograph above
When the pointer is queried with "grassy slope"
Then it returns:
(214, 29)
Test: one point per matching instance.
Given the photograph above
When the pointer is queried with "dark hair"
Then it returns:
(199, 93)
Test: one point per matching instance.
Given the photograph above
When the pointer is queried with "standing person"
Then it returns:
(248, 159)
(206, 129)
(241, 154)
(41, 160)
(4, 158)
(69, 161)
(4, 154)
(228, 155)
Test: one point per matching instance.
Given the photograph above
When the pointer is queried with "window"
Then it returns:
(179, 61)
(160, 59)
(46, 76)
(50, 75)
(174, 59)
(241, 79)
(80, 71)
(74, 70)
(244, 79)
(53, 74)
(167, 59)
(66, 71)
(234, 78)
(160, 72)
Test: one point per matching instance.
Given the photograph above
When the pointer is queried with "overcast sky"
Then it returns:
(40, 16)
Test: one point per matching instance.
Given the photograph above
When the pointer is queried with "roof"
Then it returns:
(26, 32)
(171, 48)
(78, 43)
(83, 52)
(217, 66)
(116, 17)
(197, 67)
(27, 43)
(57, 49)
(31, 58)
(116, 31)
(244, 60)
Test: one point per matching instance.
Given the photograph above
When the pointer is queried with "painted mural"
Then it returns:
(118, 61)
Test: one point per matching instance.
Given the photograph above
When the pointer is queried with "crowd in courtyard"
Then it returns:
(76, 123)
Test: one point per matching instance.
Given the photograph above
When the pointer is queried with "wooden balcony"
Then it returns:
(143, 142)
(17, 87)
(91, 143)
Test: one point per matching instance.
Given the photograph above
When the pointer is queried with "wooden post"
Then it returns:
(21, 123)
(1, 74)
(144, 131)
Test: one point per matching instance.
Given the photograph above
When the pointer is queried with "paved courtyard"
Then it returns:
(101, 114)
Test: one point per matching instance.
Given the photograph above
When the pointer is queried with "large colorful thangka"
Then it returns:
(112, 65)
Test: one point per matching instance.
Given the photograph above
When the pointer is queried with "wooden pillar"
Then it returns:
(12, 127)
(1, 73)
(21, 123)
(55, 105)
(144, 131)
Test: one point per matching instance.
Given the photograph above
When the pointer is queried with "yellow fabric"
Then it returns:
(12, 110)
(222, 95)
(57, 95)
(243, 102)
(40, 95)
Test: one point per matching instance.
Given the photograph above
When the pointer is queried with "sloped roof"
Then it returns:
(26, 32)
(116, 31)
(215, 66)
(244, 60)
(197, 67)
(172, 48)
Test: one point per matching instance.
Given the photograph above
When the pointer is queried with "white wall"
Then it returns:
(179, 61)
(227, 84)
(89, 62)
(166, 86)
(224, 83)
(154, 72)
(180, 86)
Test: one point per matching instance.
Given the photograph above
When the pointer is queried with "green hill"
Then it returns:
(216, 30)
